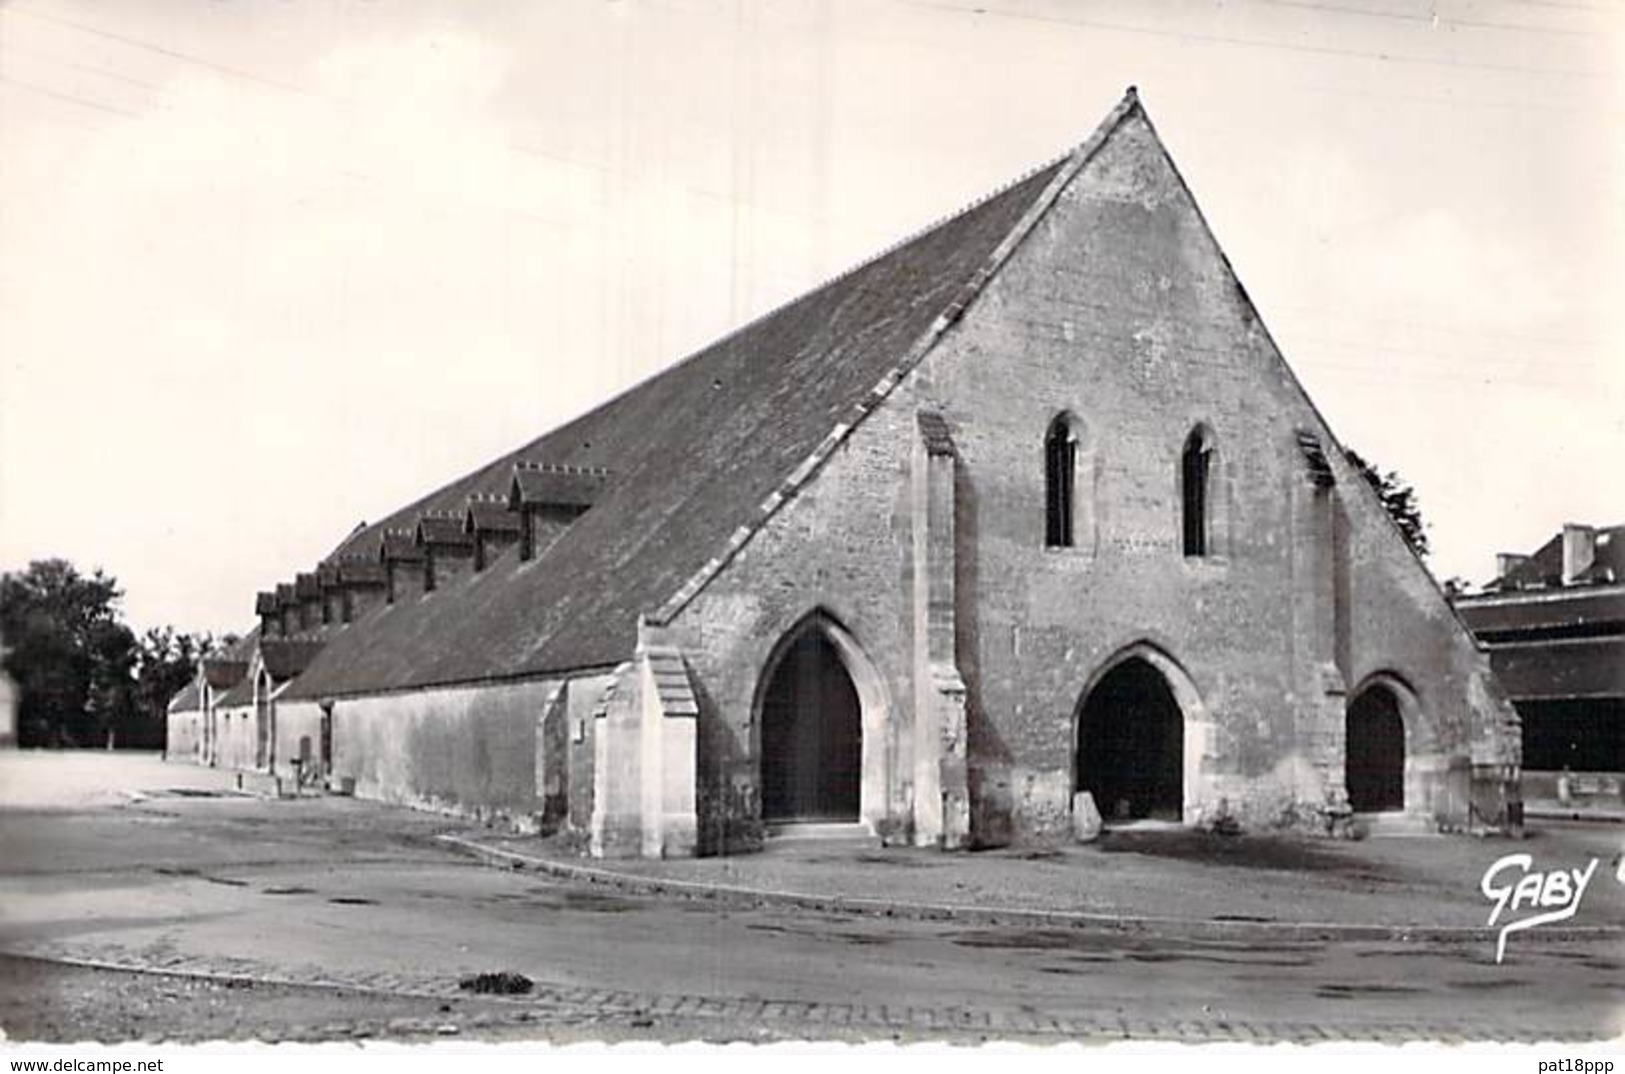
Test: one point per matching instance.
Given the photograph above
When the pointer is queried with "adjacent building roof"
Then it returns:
(1544, 566)
(240, 652)
(1517, 614)
(188, 700)
(1562, 669)
(683, 461)
(1554, 639)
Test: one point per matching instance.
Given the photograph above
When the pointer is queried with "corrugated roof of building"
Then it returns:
(692, 454)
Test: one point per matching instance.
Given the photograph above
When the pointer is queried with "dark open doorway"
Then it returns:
(812, 735)
(1131, 745)
(1374, 764)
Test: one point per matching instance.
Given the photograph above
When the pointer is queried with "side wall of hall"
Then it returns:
(468, 751)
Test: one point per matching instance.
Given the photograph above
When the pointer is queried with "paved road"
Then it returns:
(349, 895)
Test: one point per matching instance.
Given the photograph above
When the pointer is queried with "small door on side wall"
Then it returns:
(1374, 764)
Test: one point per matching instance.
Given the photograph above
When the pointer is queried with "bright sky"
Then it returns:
(268, 270)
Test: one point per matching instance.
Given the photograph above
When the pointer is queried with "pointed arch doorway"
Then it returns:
(1374, 757)
(1139, 722)
(821, 713)
(812, 736)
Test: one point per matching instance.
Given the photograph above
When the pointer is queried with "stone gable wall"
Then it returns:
(1119, 309)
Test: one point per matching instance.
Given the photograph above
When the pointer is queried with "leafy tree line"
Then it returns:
(85, 678)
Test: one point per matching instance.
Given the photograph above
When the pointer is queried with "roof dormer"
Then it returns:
(492, 526)
(549, 498)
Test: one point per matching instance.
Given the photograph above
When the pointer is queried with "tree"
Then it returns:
(165, 662)
(84, 678)
(70, 654)
(1399, 498)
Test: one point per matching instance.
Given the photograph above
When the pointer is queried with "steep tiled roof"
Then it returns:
(692, 455)
(286, 657)
(355, 572)
(237, 696)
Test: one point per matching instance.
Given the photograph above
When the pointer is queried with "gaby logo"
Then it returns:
(1513, 885)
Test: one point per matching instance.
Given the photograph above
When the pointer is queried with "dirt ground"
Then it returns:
(45, 1001)
(335, 919)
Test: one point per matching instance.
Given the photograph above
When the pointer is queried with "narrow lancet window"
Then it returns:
(1196, 478)
(1060, 475)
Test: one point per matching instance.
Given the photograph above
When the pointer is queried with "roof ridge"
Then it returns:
(1074, 161)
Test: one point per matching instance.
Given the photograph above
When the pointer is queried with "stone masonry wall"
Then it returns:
(468, 750)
